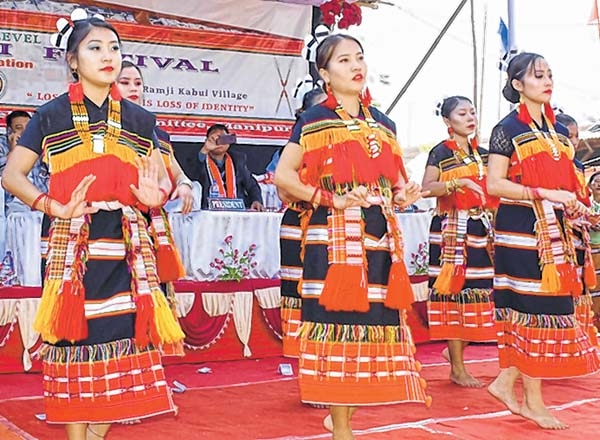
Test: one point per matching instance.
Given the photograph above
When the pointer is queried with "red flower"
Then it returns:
(330, 10)
(345, 14)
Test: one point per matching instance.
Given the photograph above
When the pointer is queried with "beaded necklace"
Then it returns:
(365, 132)
(551, 139)
(99, 142)
(475, 164)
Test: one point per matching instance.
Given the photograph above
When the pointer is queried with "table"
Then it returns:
(202, 237)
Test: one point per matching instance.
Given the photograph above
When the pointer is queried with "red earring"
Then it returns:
(450, 132)
(524, 115)
(474, 143)
(331, 102)
(75, 92)
(365, 97)
(114, 92)
(549, 112)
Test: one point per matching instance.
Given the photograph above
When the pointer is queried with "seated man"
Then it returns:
(16, 122)
(227, 170)
(15, 125)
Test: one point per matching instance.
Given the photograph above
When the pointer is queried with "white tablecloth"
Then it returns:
(23, 232)
(200, 237)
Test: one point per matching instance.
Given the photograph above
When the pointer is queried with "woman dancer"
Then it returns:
(355, 287)
(531, 168)
(460, 306)
(131, 86)
(102, 314)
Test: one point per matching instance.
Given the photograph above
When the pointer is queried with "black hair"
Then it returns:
(215, 127)
(309, 99)
(565, 119)
(81, 29)
(126, 63)
(518, 67)
(327, 46)
(16, 114)
(596, 174)
(450, 103)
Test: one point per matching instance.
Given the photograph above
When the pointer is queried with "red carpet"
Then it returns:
(249, 400)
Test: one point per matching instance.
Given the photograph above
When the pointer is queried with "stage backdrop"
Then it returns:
(227, 61)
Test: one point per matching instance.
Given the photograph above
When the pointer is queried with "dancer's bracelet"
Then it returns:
(37, 200)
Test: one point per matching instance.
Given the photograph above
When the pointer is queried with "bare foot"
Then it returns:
(505, 397)
(328, 423)
(446, 354)
(465, 380)
(542, 417)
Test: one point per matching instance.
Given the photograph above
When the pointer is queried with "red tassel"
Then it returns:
(331, 102)
(589, 274)
(523, 114)
(474, 143)
(75, 92)
(399, 290)
(458, 279)
(145, 327)
(168, 263)
(345, 289)
(114, 92)
(569, 281)
(70, 322)
(365, 97)
(549, 112)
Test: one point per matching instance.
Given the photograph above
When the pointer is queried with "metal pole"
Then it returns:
(475, 62)
(426, 57)
(512, 32)
(483, 49)
(512, 26)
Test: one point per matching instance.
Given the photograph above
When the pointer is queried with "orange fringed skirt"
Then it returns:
(539, 334)
(468, 315)
(105, 378)
(355, 358)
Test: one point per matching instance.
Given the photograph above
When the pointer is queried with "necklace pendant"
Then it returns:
(98, 143)
(374, 148)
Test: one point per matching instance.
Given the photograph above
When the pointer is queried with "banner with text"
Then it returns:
(195, 74)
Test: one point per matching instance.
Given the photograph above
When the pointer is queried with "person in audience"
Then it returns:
(290, 246)
(594, 186)
(343, 159)
(131, 86)
(102, 314)
(225, 171)
(16, 121)
(573, 128)
(531, 169)
(460, 306)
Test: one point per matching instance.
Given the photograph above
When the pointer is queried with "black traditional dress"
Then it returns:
(102, 313)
